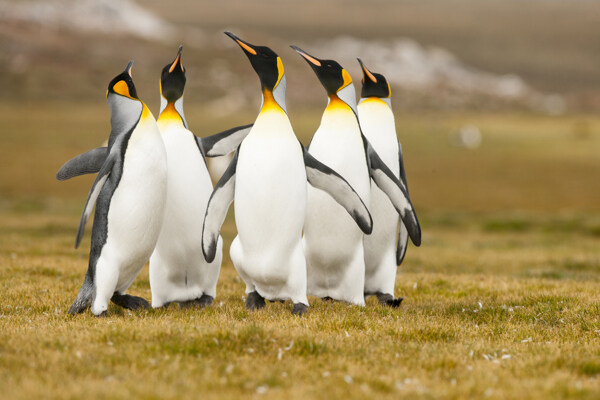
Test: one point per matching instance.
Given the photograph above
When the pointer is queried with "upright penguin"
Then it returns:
(334, 247)
(178, 271)
(381, 254)
(129, 193)
(267, 178)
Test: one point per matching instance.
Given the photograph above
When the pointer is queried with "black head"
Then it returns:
(331, 74)
(172, 79)
(265, 62)
(374, 84)
(122, 84)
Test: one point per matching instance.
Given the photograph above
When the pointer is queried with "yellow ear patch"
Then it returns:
(280, 70)
(347, 79)
(246, 47)
(389, 90)
(121, 88)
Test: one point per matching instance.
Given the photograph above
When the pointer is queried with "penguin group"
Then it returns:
(330, 220)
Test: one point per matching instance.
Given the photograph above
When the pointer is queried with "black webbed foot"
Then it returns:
(388, 300)
(254, 301)
(130, 302)
(299, 309)
(204, 301)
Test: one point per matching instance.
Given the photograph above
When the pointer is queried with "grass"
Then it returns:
(501, 300)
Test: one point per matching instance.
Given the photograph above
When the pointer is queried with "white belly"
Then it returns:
(137, 205)
(377, 122)
(178, 270)
(270, 202)
(333, 241)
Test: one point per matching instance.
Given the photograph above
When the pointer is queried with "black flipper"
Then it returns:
(84, 296)
(395, 190)
(93, 195)
(130, 302)
(402, 232)
(223, 143)
(216, 209)
(322, 177)
(89, 162)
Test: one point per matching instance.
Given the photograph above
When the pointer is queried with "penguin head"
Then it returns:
(335, 79)
(172, 79)
(122, 84)
(331, 74)
(374, 84)
(266, 63)
(125, 106)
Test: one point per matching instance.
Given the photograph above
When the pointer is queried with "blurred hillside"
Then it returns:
(540, 55)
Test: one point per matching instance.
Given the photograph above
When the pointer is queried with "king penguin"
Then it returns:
(267, 177)
(382, 256)
(333, 245)
(178, 271)
(129, 192)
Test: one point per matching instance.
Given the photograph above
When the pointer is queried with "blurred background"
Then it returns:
(496, 102)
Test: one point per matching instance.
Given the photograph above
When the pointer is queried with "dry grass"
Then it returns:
(501, 300)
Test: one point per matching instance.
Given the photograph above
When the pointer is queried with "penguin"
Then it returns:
(268, 177)
(178, 271)
(382, 255)
(333, 245)
(129, 193)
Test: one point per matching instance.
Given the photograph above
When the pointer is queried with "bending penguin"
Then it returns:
(129, 193)
(382, 256)
(178, 271)
(267, 178)
(333, 245)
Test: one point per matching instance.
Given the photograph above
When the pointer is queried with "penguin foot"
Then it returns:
(204, 301)
(254, 301)
(388, 300)
(299, 309)
(329, 299)
(395, 303)
(103, 314)
(130, 302)
(186, 304)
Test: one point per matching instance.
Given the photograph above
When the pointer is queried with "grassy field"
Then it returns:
(502, 300)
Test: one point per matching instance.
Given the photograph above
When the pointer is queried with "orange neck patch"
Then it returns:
(269, 103)
(170, 114)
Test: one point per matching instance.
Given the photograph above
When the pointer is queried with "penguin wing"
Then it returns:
(402, 232)
(224, 142)
(216, 209)
(395, 191)
(322, 177)
(86, 163)
(93, 196)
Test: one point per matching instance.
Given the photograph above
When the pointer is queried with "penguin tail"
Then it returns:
(84, 297)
